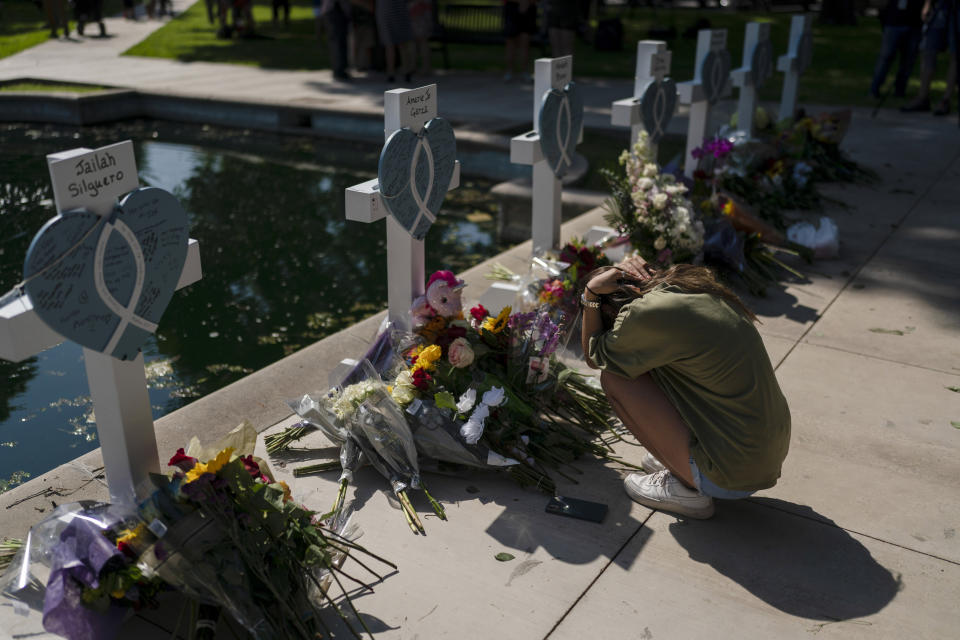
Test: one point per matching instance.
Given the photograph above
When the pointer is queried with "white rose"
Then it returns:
(660, 243)
(467, 400)
(493, 397)
(403, 395)
(472, 429)
(645, 184)
(460, 354)
(683, 212)
(650, 169)
(660, 200)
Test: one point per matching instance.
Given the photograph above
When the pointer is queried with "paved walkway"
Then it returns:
(858, 540)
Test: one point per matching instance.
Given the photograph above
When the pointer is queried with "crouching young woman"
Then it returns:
(687, 373)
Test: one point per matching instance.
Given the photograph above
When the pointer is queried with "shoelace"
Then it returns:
(660, 478)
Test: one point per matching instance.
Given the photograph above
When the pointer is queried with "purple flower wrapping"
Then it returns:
(77, 559)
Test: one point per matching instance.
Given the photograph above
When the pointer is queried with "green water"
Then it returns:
(282, 267)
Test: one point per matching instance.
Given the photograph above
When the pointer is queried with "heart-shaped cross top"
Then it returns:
(561, 118)
(105, 281)
(715, 74)
(415, 172)
(657, 106)
(761, 63)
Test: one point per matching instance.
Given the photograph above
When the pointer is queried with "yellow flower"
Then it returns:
(287, 495)
(496, 325)
(211, 466)
(728, 208)
(427, 356)
(118, 594)
(132, 536)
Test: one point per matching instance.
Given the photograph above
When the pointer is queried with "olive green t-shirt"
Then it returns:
(712, 365)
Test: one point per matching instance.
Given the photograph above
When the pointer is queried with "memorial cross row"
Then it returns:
(101, 274)
(417, 167)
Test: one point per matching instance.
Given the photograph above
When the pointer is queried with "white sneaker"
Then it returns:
(650, 464)
(662, 491)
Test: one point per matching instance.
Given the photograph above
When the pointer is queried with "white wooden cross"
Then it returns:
(711, 81)
(549, 74)
(653, 66)
(118, 388)
(410, 108)
(756, 70)
(795, 62)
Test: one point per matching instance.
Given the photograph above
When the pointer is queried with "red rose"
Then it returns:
(479, 313)
(182, 460)
(254, 469)
(421, 379)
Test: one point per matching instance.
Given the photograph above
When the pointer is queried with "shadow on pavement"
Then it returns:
(804, 566)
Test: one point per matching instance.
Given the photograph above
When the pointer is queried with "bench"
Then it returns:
(475, 24)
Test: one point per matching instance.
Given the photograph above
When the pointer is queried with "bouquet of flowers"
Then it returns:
(763, 174)
(554, 283)
(494, 381)
(219, 529)
(362, 417)
(652, 208)
(816, 140)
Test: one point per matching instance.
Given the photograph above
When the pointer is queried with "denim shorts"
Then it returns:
(708, 488)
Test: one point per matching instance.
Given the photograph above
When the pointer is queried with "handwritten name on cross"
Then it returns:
(796, 61)
(711, 82)
(402, 109)
(756, 70)
(94, 180)
(655, 97)
(550, 75)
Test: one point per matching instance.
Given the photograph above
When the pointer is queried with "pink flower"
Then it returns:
(460, 353)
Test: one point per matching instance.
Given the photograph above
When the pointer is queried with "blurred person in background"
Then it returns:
(942, 23)
(902, 31)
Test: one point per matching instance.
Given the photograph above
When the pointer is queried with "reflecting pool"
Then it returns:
(282, 267)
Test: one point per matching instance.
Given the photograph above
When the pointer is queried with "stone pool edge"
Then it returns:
(110, 105)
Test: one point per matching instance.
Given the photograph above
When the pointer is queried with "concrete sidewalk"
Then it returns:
(859, 538)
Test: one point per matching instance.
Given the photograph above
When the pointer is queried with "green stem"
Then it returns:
(320, 467)
(437, 507)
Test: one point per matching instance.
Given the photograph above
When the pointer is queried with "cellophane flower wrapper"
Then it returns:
(380, 421)
(437, 435)
(64, 553)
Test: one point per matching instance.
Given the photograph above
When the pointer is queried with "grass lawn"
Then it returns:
(191, 38)
(840, 74)
(55, 87)
(23, 24)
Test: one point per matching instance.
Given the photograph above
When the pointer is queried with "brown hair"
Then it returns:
(686, 277)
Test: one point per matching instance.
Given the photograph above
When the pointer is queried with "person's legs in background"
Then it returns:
(889, 46)
(337, 23)
(909, 44)
(944, 107)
